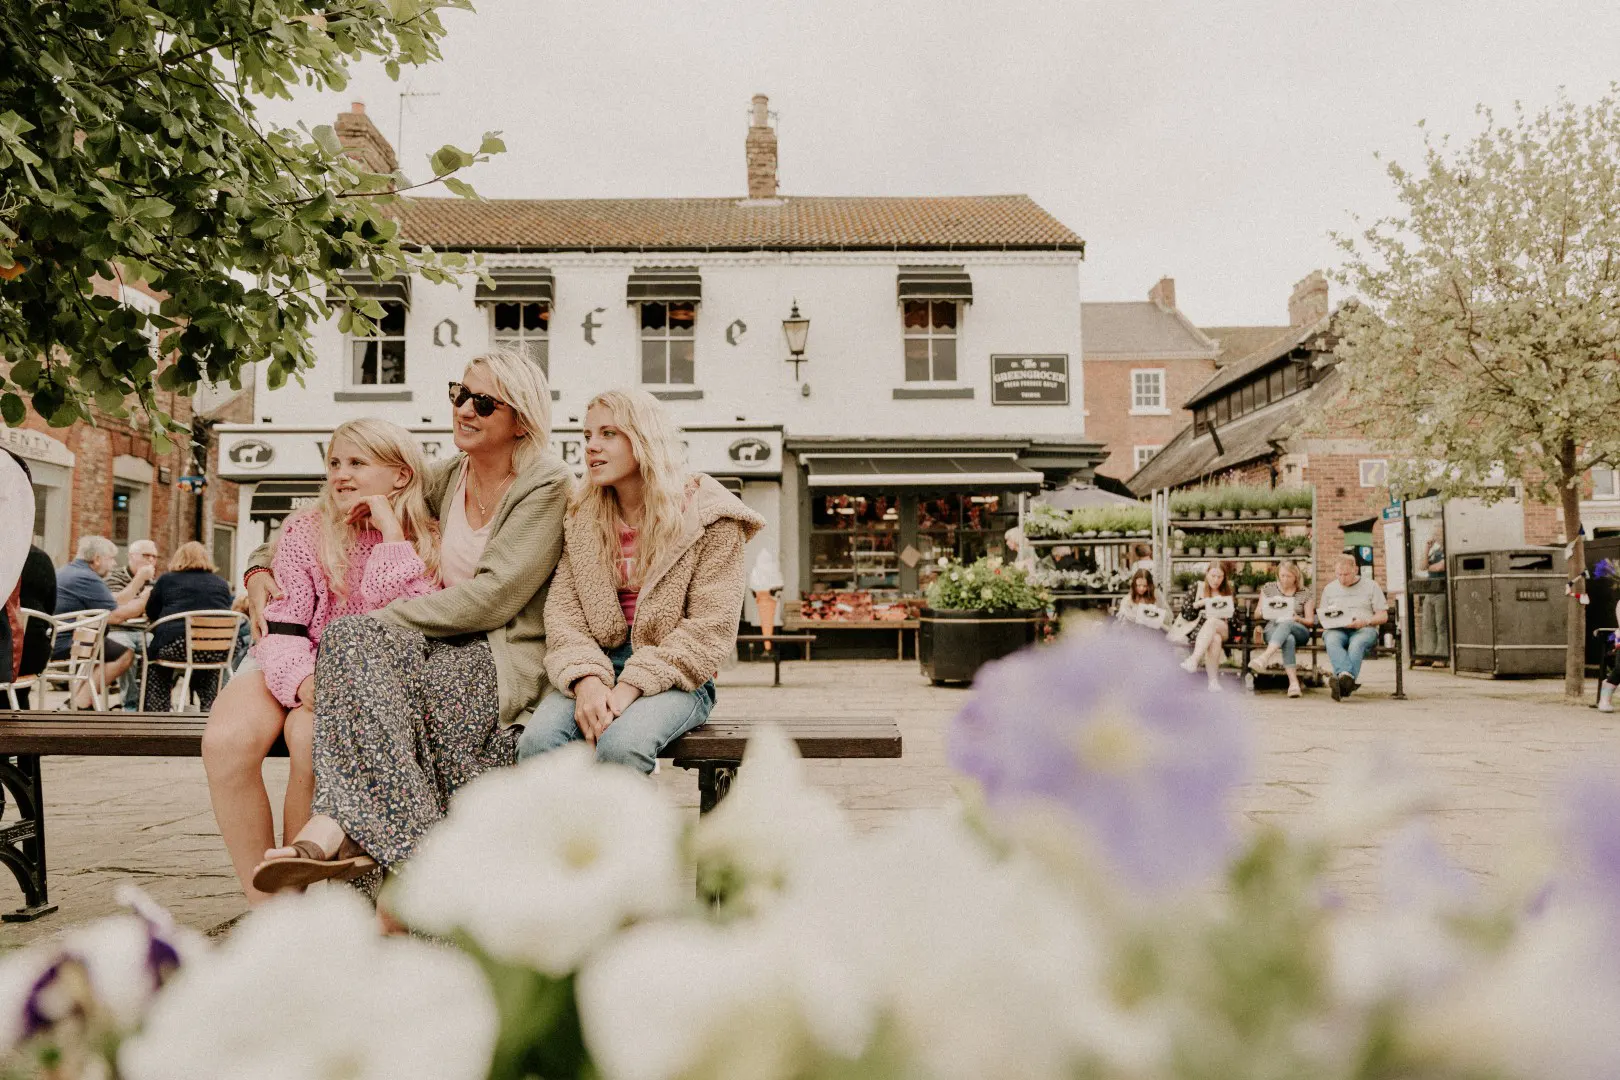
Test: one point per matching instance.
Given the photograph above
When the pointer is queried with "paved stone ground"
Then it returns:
(1498, 750)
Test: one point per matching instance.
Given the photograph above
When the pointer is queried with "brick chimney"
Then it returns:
(363, 141)
(1164, 293)
(761, 152)
(1309, 302)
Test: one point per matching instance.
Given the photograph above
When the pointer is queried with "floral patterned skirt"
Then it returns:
(401, 722)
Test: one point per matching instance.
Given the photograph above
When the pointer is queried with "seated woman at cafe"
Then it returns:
(190, 585)
(1288, 612)
(1209, 633)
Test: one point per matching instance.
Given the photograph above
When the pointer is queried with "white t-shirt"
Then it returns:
(461, 545)
(1364, 600)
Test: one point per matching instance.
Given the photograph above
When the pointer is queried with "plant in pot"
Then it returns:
(976, 614)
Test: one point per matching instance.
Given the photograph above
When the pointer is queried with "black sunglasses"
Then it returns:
(483, 404)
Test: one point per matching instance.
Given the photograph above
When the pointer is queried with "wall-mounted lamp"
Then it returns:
(797, 329)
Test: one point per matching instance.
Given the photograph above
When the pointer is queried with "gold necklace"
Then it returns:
(483, 511)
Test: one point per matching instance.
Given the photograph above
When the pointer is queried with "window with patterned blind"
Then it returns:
(378, 359)
(525, 327)
(930, 339)
(668, 329)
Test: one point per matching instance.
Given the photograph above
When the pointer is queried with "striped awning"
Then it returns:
(516, 283)
(665, 283)
(367, 287)
(918, 470)
(935, 283)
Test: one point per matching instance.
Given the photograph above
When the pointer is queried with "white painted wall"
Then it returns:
(1023, 303)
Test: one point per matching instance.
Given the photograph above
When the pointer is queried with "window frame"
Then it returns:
(645, 334)
(1137, 460)
(524, 337)
(403, 337)
(1162, 408)
(930, 335)
(1613, 492)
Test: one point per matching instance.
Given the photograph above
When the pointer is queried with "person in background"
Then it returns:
(1141, 600)
(141, 560)
(190, 585)
(80, 587)
(28, 640)
(1358, 597)
(1285, 631)
(1208, 634)
(1141, 556)
(1611, 666)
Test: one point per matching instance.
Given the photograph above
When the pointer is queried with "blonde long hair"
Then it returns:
(391, 445)
(521, 384)
(660, 457)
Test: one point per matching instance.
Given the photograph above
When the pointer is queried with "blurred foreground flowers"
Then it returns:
(1092, 910)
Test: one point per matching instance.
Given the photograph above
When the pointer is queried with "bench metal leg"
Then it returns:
(714, 780)
(22, 845)
(776, 661)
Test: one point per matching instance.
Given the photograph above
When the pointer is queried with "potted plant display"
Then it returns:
(976, 614)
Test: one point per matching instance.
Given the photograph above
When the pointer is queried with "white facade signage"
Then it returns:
(259, 452)
(36, 446)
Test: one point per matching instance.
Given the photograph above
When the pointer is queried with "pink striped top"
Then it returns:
(627, 569)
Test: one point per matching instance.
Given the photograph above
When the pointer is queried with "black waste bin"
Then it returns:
(1508, 612)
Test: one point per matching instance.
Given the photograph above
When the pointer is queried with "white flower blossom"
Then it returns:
(306, 988)
(770, 824)
(1374, 790)
(542, 862)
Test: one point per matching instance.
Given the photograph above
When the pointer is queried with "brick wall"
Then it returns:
(1341, 498)
(1108, 407)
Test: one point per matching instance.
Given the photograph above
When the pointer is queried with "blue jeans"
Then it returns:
(1287, 636)
(635, 738)
(1347, 647)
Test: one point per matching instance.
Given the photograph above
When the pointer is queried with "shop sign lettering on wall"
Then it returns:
(1029, 380)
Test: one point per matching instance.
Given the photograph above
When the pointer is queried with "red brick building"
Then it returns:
(106, 478)
(1142, 360)
(1268, 418)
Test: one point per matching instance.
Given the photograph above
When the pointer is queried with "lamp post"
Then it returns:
(797, 330)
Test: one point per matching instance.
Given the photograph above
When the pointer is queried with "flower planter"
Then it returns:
(1228, 551)
(1107, 534)
(1245, 550)
(953, 645)
(1299, 512)
(1246, 514)
(1228, 515)
(1088, 534)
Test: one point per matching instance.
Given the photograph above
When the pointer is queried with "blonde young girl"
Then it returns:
(1210, 632)
(368, 540)
(645, 601)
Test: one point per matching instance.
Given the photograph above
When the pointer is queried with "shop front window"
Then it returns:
(963, 527)
(852, 541)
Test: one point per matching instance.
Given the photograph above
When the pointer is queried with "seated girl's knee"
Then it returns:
(299, 734)
(621, 751)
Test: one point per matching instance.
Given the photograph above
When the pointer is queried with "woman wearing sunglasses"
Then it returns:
(416, 699)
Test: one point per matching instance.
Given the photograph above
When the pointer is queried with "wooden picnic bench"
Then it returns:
(715, 750)
(803, 640)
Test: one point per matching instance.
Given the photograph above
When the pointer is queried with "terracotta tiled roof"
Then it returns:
(990, 222)
(1139, 328)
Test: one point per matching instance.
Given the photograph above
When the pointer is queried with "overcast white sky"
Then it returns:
(1213, 142)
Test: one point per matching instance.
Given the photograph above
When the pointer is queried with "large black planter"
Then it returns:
(953, 645)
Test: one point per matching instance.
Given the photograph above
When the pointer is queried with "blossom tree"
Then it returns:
(131, 150)
(1485, 346)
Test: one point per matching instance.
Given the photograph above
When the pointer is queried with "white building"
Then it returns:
(941, 378)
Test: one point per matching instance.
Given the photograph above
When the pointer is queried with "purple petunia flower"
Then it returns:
(1110, 728)
(1592, 824)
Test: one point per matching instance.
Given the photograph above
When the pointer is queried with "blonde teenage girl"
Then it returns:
(1210, 633)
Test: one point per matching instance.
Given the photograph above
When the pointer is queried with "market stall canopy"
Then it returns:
(1082, 496)
(918, 470)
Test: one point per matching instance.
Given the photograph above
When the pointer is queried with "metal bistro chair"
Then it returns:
(86, 650)
(210, 631)
(25, 682)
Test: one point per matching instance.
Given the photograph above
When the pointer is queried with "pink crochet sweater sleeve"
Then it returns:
(287, 660)
(394, 570)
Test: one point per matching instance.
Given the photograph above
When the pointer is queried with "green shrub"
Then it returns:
(987, 585)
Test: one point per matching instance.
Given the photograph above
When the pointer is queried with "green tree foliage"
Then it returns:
(130, 149)
(1487, 343)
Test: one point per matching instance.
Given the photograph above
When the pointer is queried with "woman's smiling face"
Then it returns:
(609, 458)
(473, 433)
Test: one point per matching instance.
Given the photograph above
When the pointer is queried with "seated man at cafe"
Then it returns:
(142, 560)
(1353, 607)
(80, 587)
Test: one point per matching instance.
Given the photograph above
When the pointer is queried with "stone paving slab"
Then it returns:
(1497, 750)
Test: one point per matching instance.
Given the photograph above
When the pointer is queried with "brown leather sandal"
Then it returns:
(310, 865)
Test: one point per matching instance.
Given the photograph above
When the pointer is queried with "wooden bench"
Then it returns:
(1314, 647)
(803, 640)
(715, 750)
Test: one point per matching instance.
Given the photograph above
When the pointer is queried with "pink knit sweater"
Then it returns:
(378, 574)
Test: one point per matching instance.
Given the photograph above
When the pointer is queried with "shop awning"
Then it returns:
(273, 500)
(515, 284)
(918, 470)
(364, 285)
(665, 283)
(935, 283)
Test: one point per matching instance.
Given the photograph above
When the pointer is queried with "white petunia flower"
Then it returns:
(769, 825)
(541, 863)
(306, 988)
(1374, 790)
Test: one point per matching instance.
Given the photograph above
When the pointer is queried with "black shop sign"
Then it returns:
(1029, 380)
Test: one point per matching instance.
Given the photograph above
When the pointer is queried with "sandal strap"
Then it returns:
(309, 849)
